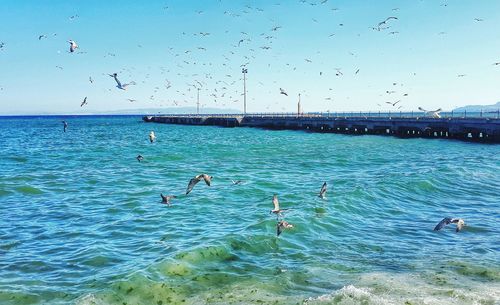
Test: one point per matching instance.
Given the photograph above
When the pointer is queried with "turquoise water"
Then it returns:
(82, 223)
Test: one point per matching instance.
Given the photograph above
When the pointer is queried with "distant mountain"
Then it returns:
(478, 108)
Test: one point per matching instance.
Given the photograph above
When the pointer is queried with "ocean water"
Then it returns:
(81, 220)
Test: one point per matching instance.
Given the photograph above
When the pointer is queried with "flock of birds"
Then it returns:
(281, 223)
(246, 48)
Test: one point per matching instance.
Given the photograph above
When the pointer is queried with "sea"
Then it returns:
(81, 220)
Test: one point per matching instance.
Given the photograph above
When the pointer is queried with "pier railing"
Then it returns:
(350, 114)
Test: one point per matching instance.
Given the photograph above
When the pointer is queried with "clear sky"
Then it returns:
(435, 54)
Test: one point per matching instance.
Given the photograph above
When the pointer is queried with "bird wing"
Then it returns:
(323, 190)
(117, 81)
(207, 179)
(191, 184)
(422, 109)
(438, 110)
(276, 203)
(446, 221)
(279, 228)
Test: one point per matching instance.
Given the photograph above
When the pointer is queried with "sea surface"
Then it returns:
(81, 220)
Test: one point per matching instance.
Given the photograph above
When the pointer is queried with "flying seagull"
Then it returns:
(276, 204)
(197, 179)
(72, 46)
(91, 80)
(84, 102)
(65, 125)
(166, 199)
(322, 192)
(118, 84)
(282, 91)
(385, 21)
(434, 114)
(42, 36)
(139, 158)
(152, 136)
(281, 225)
(447, 220)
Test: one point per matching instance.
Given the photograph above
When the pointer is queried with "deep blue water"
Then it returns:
(81, 219)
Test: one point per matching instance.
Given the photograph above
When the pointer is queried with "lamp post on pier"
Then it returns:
(244, 71)
(198, 102)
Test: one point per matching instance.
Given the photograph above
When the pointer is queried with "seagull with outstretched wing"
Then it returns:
(447, 220)
(119, 85)
(196, 179)
(435, 114)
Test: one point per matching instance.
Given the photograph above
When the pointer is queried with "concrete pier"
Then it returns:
(477, 129)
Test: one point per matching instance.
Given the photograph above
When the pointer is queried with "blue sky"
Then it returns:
(417, 60)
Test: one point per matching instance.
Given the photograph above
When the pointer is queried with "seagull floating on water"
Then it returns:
(139, 158)
(152, 136)
(197, 179)
(447, 220)
(236, 182)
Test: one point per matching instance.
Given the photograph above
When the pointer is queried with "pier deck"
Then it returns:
(477, 129)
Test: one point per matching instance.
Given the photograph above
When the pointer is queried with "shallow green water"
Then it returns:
(82, 220)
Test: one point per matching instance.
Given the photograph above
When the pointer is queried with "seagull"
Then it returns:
(166, 199)
(393, 104)
(434, 114)
(152, 136)
(281, 225)
(72, 46)
(322, 192)
(42, 36)
(282, 91)
(276, 204)
(118, 84)
(236, 182)
(447, 220)
(84, 102)
(131, 100)
(385, 21)
(65, 125)
(91, 80)
(139, 158)
(197, 179)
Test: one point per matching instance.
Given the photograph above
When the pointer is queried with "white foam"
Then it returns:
(89, 299)
(380, 288)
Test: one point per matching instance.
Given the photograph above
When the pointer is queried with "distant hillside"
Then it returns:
(477, 108)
